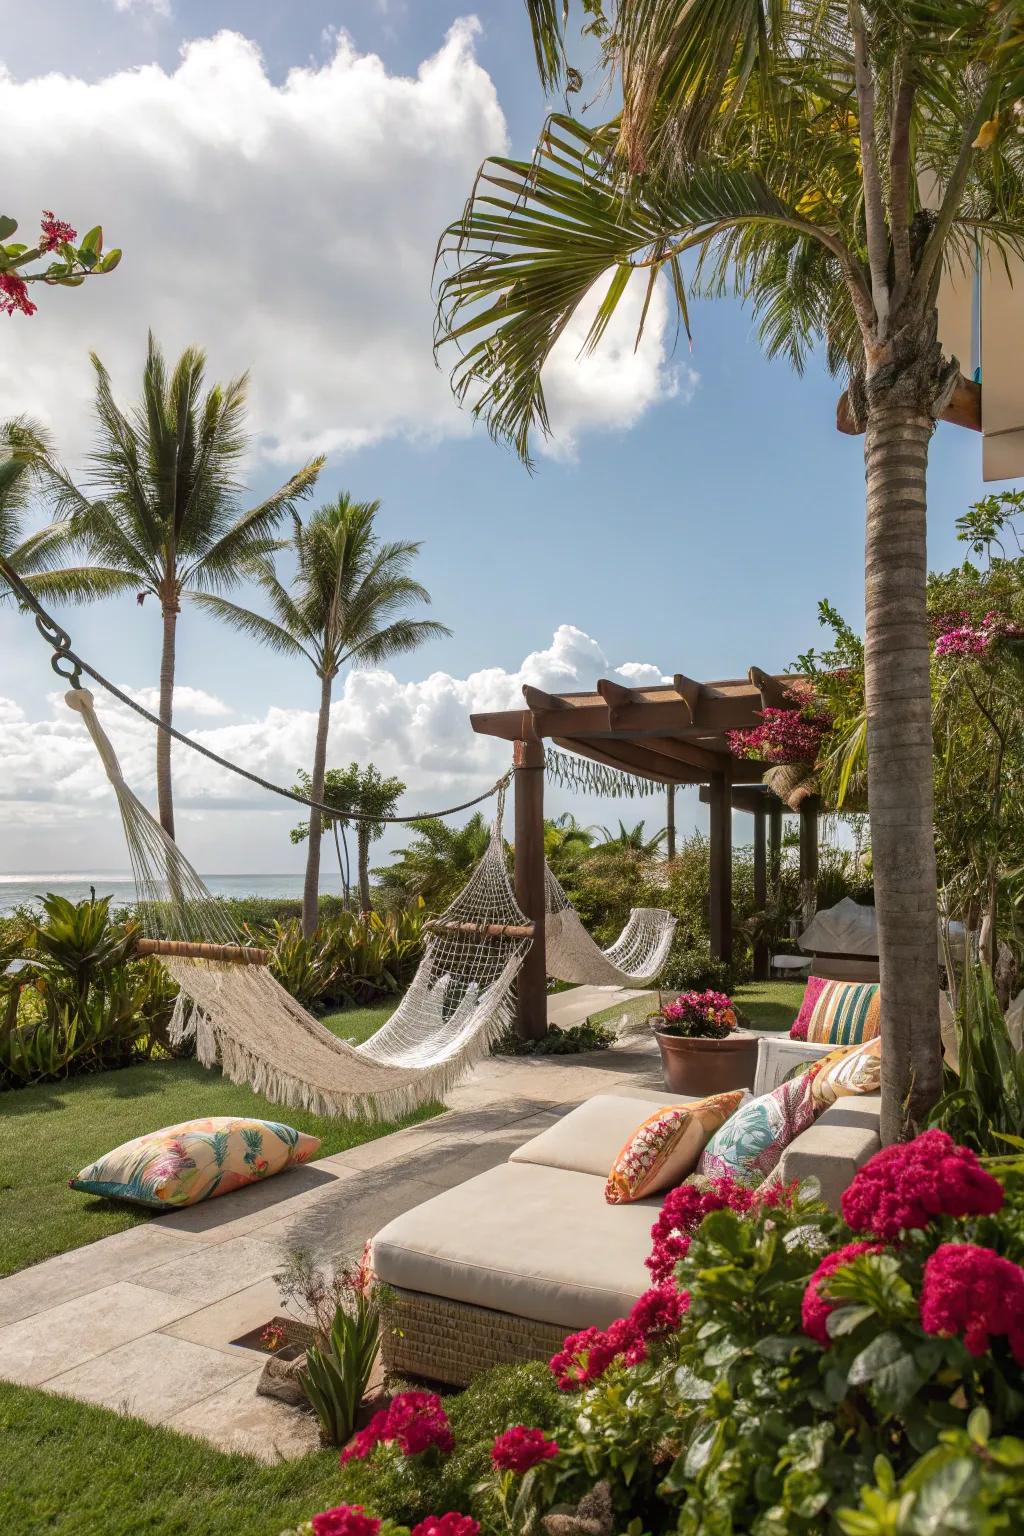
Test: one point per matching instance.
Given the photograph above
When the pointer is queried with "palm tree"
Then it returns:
(826, 160)
(347, 606)
(366, 791)
(631, 839)
(162, 514)
(23, 450)
(439, 861)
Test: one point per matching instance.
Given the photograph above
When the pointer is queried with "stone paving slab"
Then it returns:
(211, 1272)
(61, 1279)
(219, 1323)
(152, 1377)
(41, 1347)
(236, 1419)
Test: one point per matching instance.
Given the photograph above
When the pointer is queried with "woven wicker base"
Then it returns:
(454, 1342)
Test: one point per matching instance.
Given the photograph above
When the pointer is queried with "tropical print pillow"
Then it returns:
(846, 1013)
(751, 1142)
(852, 1069)
(665, 1148)
(196, 1160)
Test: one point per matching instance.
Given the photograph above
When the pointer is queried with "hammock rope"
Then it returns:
(459, 1002)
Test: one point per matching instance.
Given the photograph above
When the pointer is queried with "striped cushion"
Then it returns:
(846, 1013)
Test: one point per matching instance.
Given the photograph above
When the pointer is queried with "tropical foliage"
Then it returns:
(71, 998)
(353, 789)
(984, 1104)
(346, 605)
(437, 863)
(826, 162)
(350, 958)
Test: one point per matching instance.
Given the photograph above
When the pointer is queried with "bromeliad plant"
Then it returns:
(344, 1312)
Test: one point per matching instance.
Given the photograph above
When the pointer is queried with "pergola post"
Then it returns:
(531, 983)
(762, 957)
(720, 893)
(774, 845)
(670, 821)
(809, 857)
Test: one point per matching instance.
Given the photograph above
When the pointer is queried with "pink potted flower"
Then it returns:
(703, 1050)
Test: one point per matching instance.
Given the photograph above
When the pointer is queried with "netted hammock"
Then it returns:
(459, 1001)
(634, 960)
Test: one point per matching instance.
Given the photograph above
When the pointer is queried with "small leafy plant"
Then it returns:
(697, 1016)
(342, 1307)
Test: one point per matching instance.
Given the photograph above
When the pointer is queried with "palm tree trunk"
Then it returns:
(164, 794)
(311, 887)
(900, 790)
(363, 843)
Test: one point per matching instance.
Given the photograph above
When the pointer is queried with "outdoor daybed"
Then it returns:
(502, 1267)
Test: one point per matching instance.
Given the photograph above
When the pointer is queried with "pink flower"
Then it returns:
(585, 1356)
(785, 735)
(451, 1524)
(960, 635)
(345, 1520)
(682, 1212)
(415, 1422)
(519, 1449)
(55, 232)
(972, 1291)
(905, 1185)
(815, 1308)
(14, 295)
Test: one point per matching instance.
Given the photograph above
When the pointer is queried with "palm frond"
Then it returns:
(253, 625)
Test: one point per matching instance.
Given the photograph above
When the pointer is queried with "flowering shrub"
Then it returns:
(415, 1422)
(587, 1355)
(788, 735)
(519, 1449)
(707, 1015)
(960, 635)
(973, 1292)
(905, 1186)
(345, 1520)
(56, 237)
(451, 1524)
(816, 1308)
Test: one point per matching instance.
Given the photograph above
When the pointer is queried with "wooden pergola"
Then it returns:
(671, 734)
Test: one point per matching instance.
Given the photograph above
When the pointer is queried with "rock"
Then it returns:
(280, 1378)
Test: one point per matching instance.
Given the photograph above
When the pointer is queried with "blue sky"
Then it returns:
(695, 532)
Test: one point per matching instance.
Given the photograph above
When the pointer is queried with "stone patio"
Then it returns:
(144, 1321)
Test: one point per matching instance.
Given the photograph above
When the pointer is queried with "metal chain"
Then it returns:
(60, 641)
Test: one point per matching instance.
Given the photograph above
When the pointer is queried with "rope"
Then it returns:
(60, 640)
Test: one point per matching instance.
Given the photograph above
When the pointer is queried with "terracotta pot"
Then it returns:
(697, 1067)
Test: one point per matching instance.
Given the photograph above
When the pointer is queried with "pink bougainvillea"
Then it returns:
(451, 1524)
(974, 1293)
(960, 635)
(55, 232)
(815, 1308)
(785, 735)
(344, 1520)
(415, 1422)
(14, 295)
(906, 1185)
(519, 1449)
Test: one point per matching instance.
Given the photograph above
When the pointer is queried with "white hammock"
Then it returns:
(634, 960)
(459, 1001)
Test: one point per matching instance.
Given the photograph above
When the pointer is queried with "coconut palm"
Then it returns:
(346, 606)
(23, 450)
(438, 862)
(632, 839)
(826, 160)
(161, 513)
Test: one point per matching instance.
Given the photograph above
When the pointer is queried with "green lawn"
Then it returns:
(49, 1132)
(770, 1004)
(67, 1469)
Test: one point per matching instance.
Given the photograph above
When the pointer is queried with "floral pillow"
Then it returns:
(852, 1069)
(196, 1160)
(751, 1142)
(665, 1148)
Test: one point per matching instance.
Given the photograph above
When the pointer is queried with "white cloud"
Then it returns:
(288, 228)
(189, 701)
(157, 7)
(58, 810)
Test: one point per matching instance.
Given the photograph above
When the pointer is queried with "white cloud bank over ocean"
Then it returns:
(58, 811)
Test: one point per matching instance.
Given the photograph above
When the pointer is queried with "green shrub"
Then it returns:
(557, 1042)
(691, 967)
(984, 1104)
(351, 958)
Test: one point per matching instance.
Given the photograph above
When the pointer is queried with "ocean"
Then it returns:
(16, 890)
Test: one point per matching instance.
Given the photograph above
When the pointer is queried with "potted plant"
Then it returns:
(703, 1050)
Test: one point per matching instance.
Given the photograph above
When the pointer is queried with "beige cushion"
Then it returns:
(533, 1241)
(835, 1146)
(590, 1137)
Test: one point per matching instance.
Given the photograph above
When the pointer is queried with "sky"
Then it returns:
(277, 177)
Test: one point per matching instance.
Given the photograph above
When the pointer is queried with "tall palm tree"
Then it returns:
(347, 606)
(23, 450)
(160, 513)
(826, 160)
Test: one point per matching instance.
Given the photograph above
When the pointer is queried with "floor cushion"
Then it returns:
(195, 1160)
(664, 1148)
(751, 1142)
(587, 1139)
(525, 1239)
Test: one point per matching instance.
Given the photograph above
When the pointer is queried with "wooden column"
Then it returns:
(670, 821)
(774, 845)
(762, 957)
(720, 894)
(531, 983)
(809, 857)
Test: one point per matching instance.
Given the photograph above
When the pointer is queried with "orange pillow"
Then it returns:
(849, 1070)
(665, 1148)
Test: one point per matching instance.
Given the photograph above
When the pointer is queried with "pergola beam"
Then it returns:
(773, 692)
(688, 690)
